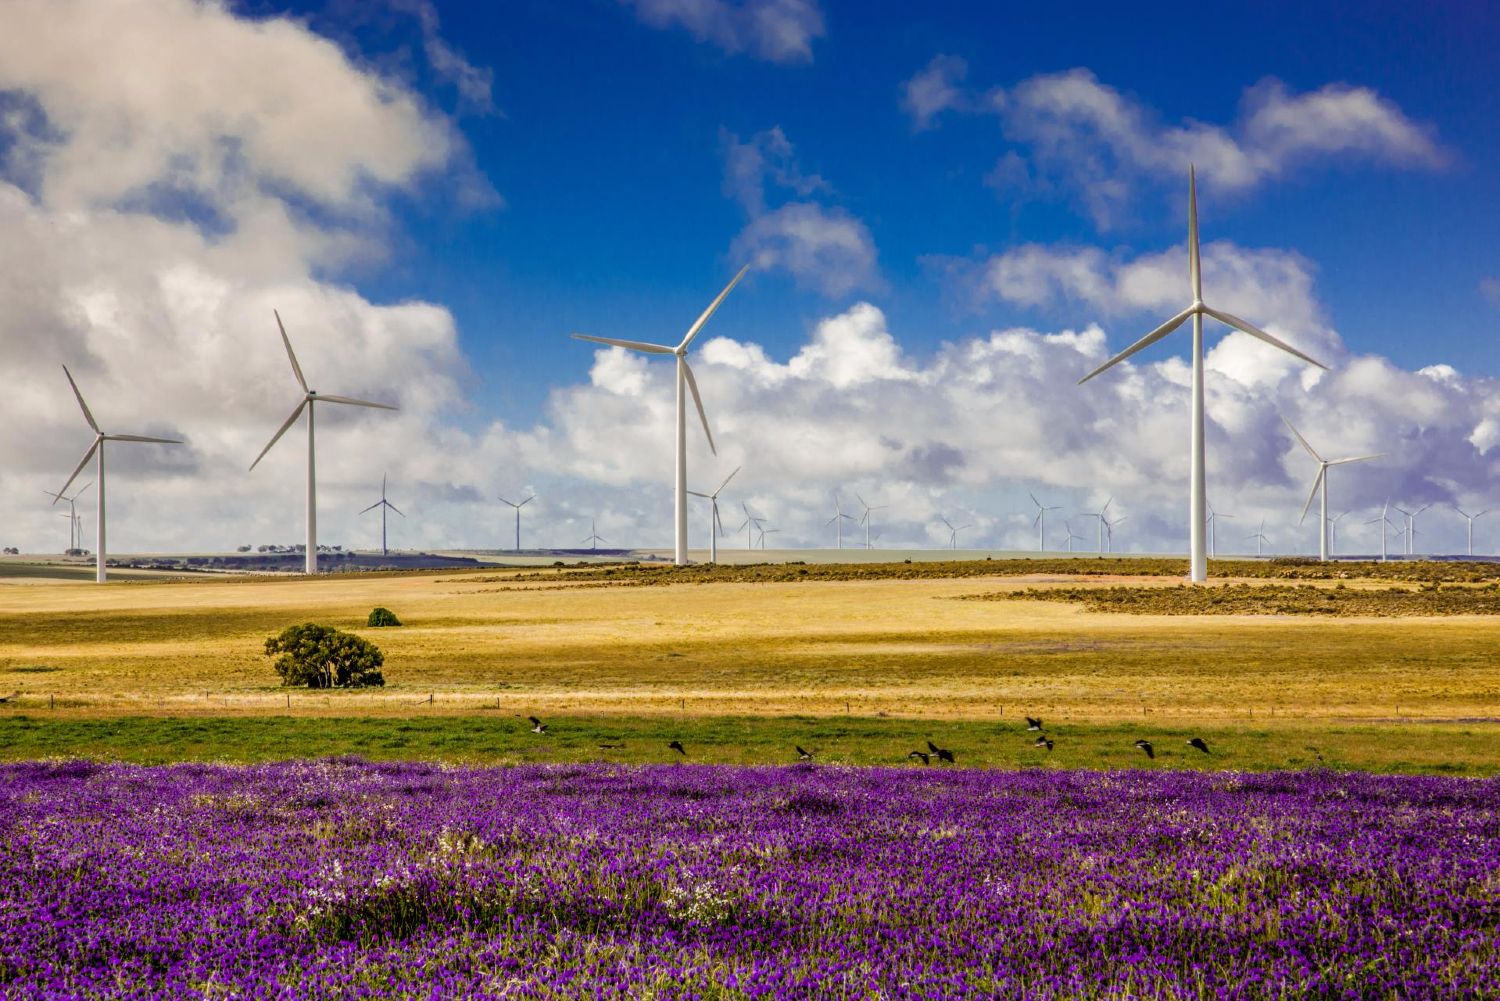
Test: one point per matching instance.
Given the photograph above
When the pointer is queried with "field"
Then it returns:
(861, 663)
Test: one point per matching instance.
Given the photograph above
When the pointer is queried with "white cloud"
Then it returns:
(823, 247)
(780, 31)
(936, 89)
(1101, 142)
(1489, 290)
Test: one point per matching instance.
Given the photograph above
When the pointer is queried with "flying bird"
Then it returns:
(1199, 743)
(537, 726)
(801, 754)
(1043, 742)
(1032, 723)
(1146, 746)
(676, 745)
(942, 753)
(921, 756)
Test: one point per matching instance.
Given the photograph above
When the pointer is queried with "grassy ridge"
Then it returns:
(1453, 748)
(1270, 599)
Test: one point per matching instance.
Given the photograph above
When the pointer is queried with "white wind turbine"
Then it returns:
(1109, 532)
(309, 398)
(864, 519)
(1411, 526)
(383, 504)
(715, 526)
(1213, 519)
(684, 379)
(1471, 518)
(1103, 521)
(98, 447)
(838, 519)
(518, 507)
(594, 538)
(953, 532)
(1259, 538)
(1333, 530)
(1383, 521)
(751, 522)
(75, 526)
(1072, 536)
(1040, 521)
(1197, 310)
(765, 532)
(1321, 481)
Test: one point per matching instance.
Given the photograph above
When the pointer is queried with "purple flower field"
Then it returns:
(339, 878)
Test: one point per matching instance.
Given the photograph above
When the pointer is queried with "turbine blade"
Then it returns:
(696, 493)
(392, 507)
(693, 330)
(1195, 266)
(692, 383)
(296, 369)
(141, 437)
(1317, 481)
(650, 349)
(1254, 331)
(1358, 458)
(279, 432)
(81, 463)
(528, 500)
(86, 415)
(1301, 439)
(1142, 344)
(726, 481)
(354, 403)
(371, 507)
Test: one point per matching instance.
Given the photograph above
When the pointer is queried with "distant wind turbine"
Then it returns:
(953, 532)
(1333, 530)
(383, 504)
(765, 532)
(1072, 536)
(75, 526)
(1100, 515)
(1198, 490)
(684, 380)
(1411, 526)
(594, 538)
(1320, 482)
(518, 507)
(1213, 518)
(838, 519)
(1384, 521)
(1040, 521)
(751, 521)
(1259, 538)
(309, 399)
(715, 526)
(1471, 518)
(864, 519)
(1109, 532)
(98, 447)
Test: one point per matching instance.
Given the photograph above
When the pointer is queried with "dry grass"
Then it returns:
(1272, 599)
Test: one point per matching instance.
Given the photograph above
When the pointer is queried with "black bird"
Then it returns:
(1199, 743)
(1146, 746)
(921, 756)
(801, 754)
(943, 754)
(676, 745)
(537, 726)
(1043, 742)
(932, 747)
(1032, 723)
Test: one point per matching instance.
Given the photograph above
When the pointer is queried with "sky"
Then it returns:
(950, 216)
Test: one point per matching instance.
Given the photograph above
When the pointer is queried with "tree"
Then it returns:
(324, 657)
(382, 616)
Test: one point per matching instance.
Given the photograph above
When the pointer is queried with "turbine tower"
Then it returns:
(1383, 521)
(1197, 310)
(1213, 535)
(864, 519)
(518, 507)
(75, 528)
(98, 447)
(594, 538)
(684, 379)
(1040, 521)
(838, 519)
(383, 504)
(1109, 532)
(1471, 518)
(1100, 514)
(1259, 538)
(715, 526)
(1321, 481)
(309, 399)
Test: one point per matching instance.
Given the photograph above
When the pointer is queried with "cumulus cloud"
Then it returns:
(1099, 142)
(822, 247)
(780, 31)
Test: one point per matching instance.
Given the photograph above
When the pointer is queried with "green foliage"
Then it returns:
(324, 657)
(382, 616)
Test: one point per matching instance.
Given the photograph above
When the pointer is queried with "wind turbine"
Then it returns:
(1321, 480)
(1383, 521)
(1071, 535)
(1197, 490)
(1411, 525)
(594, 538)
(838, 519)
(1109, 532)
(1100, 514)
(684, 379)
(1040, 521)
(309, 399)
(518, 507)
(864, 519)
(765, 532)
(1259, 538)
(98, 447)
(750, 520)
(953, 532)
(1213, 518)
(1333, 530)
(1471, 518)
(715, 526)
(75, 528)
(383, 504)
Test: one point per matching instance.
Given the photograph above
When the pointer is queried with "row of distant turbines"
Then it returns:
(1200, 522)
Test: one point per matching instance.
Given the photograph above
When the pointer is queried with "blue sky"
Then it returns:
(951, 213)
(606, 150)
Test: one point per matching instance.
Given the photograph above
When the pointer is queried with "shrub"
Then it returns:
(382, 617)
(324, 657)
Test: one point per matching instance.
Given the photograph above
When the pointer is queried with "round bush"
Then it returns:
(324, 657)
(382, 617)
